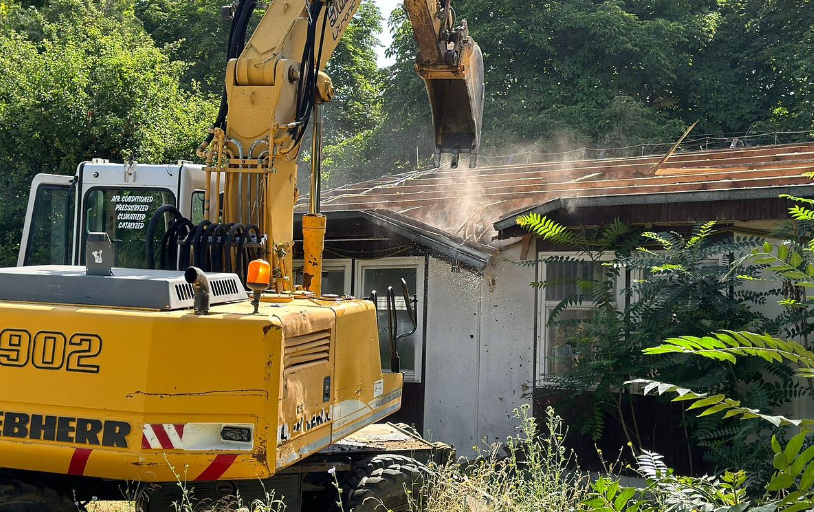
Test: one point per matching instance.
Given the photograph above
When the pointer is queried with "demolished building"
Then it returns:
(482, 348)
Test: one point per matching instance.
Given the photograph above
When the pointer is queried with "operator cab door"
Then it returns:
(50, 222)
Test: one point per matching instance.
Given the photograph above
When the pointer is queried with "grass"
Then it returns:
(529, 473)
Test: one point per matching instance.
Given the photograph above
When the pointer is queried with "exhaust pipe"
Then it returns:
(201, 289)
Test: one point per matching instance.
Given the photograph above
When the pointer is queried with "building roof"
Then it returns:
(472, 205)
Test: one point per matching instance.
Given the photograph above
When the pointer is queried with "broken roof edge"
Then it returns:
(470, 254)
(733, 194)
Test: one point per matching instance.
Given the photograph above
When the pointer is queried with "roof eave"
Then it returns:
(473, 255)
(571, 203)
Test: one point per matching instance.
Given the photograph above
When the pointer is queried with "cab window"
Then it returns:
(51, 232)
(197, 207)
(124, 215)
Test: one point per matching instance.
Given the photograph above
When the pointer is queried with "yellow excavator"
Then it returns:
(202, 362)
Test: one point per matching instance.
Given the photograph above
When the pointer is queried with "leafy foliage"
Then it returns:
(530, 472)
(81, 80)
(546, 228)
(666, 491)
(192, 32)
(680, 288)
(719, 403)
(727, 345)
(788, 261)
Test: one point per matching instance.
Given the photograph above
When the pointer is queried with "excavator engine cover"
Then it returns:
(457, 107)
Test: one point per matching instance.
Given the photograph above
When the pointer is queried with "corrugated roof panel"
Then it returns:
(461, 201)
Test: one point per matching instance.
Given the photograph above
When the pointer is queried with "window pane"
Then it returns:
(565, 275)
(125, 214)
(197, 207)
(51, 227)
(560, 354)
(333, 280)
(379, 279)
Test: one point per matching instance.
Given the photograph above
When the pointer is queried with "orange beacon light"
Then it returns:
(258, 279)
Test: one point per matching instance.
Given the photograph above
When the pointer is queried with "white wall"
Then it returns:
(450, 371)
(479, 360)
(802, 407)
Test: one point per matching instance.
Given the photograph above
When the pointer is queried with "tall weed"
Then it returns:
(531, 472)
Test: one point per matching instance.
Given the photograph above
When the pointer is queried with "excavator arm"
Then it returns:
(274, 84)
(451, 65)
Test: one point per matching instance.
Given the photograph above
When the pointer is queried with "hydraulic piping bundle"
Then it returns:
(209, 246)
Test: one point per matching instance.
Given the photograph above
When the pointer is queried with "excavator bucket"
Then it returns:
(451, 64)
(457, 106)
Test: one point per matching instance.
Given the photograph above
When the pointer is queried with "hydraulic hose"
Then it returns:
(309, 72)
(158, 216)
(237, 41)
(197, 244)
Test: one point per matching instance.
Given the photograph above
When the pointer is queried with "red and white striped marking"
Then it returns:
(217, 467)
(79, 460)
(162, 436)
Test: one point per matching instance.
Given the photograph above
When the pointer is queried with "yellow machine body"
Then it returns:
(145, 395)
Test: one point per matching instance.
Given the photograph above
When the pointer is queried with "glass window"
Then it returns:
(198, 200)
(559, 352)
(379, 279)
(562, 353)
(566, 274)
(197, 207)
(333, 279)
(51, 232)
(125, 214)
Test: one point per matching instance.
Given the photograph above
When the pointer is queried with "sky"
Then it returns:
(386, 7)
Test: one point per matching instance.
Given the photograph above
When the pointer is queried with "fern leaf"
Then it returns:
(567, 302)
(719, 404)
(660, 238)
(614, 232)
(651, 465)
(798, 212)
(799, 199)
(701, 233)
(546, 228)
(728, 345)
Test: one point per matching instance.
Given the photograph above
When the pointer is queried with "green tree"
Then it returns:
(82, 82)
(756, 72)
(354, 114)
(193, 32)
(590, 72)
(404, 121)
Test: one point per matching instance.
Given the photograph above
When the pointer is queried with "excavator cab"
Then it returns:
(451, 64)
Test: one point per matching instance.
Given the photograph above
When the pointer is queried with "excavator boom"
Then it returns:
(275, 82)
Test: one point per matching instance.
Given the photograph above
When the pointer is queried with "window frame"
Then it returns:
(544, 377)
(30, 228)
(412, 262)
(345, 264)
(545, 306)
